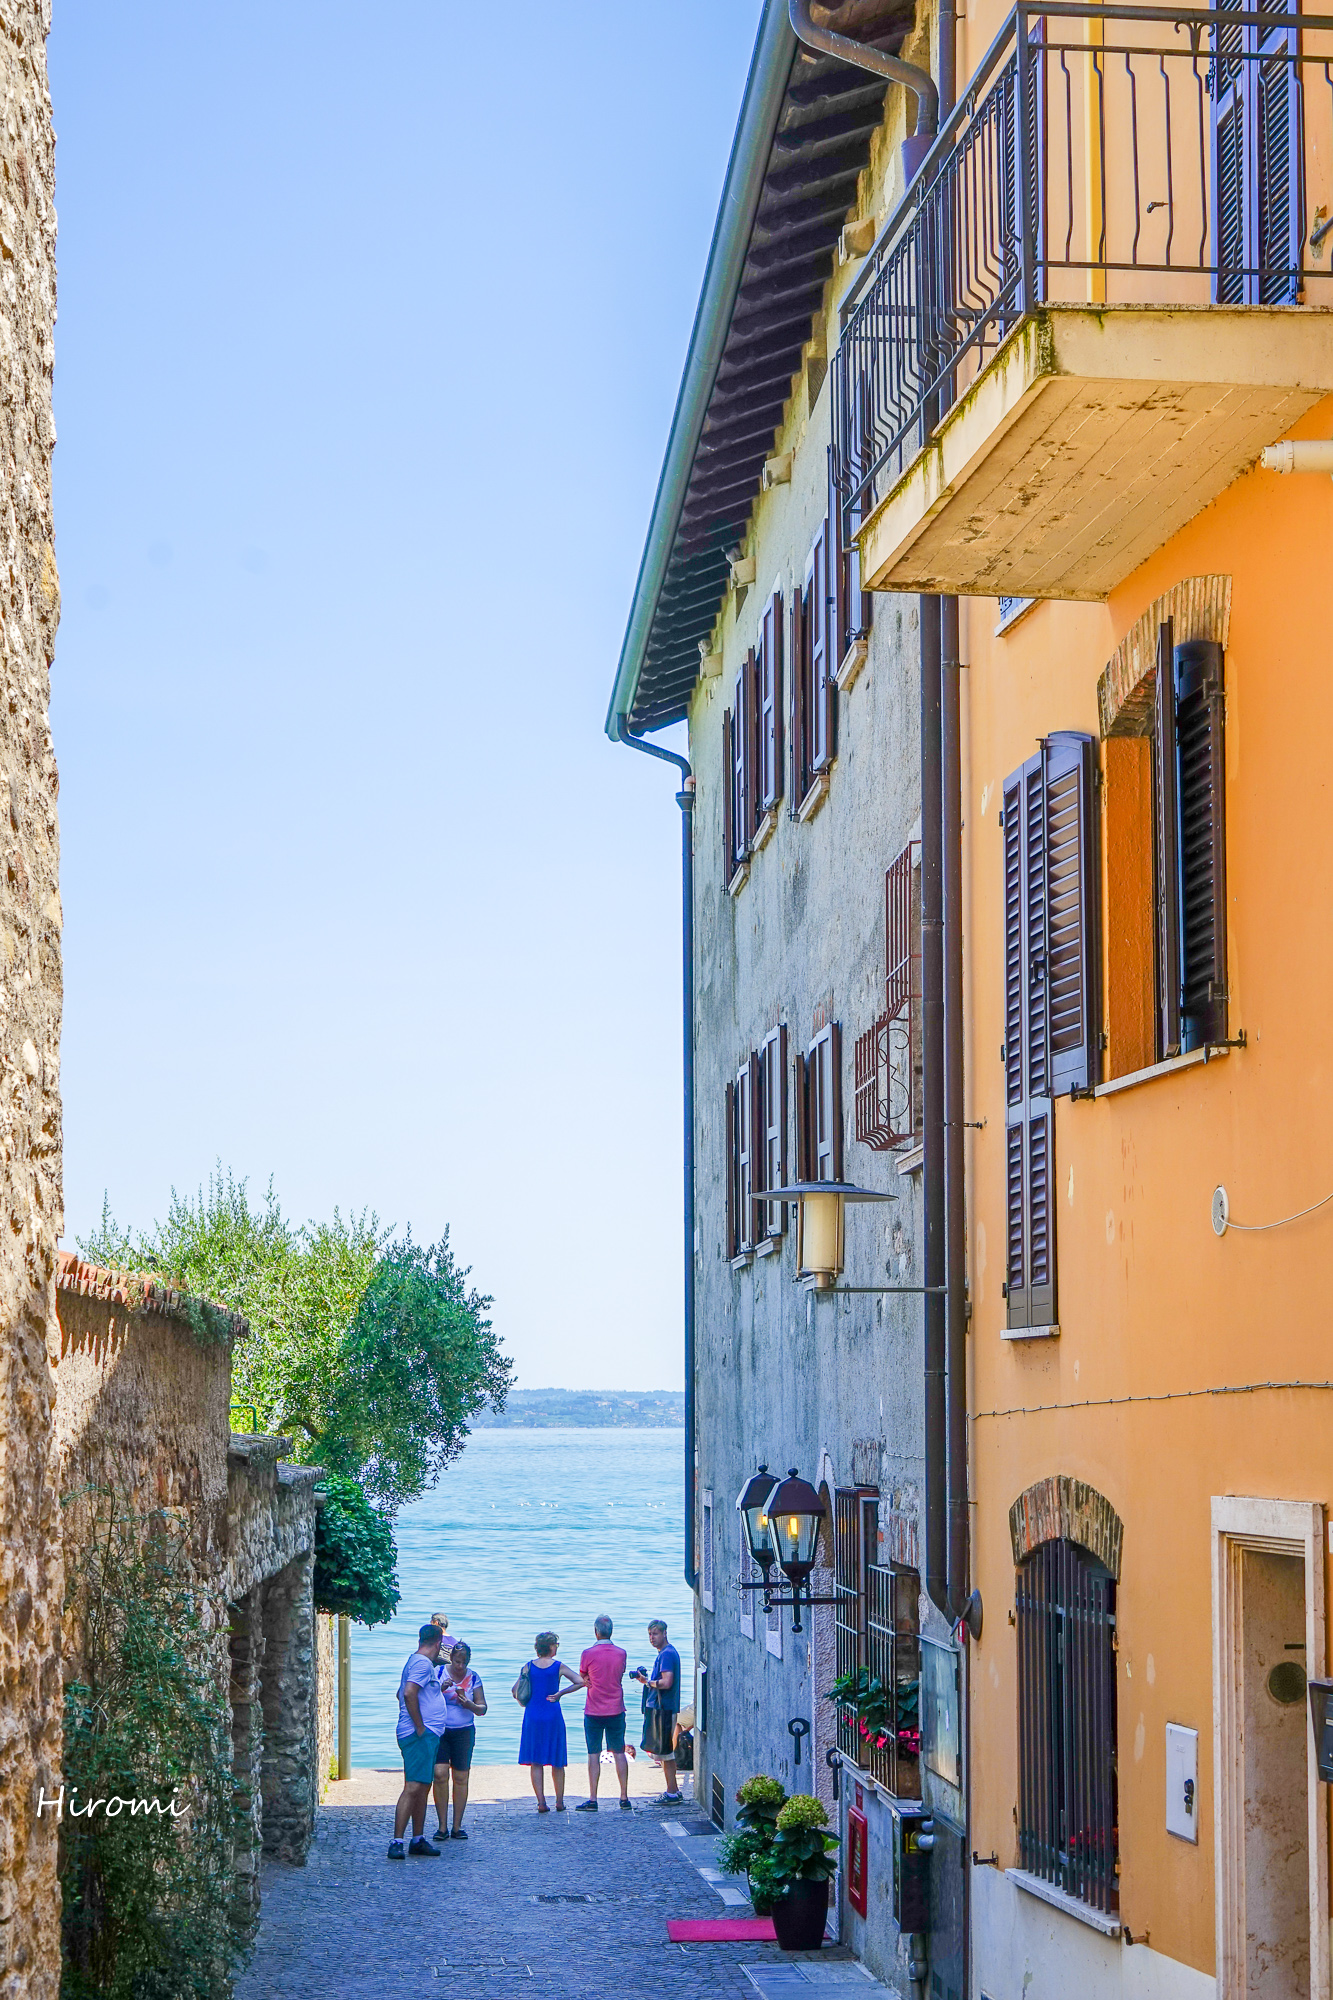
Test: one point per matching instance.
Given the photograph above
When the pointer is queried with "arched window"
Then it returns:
(1068, 1830)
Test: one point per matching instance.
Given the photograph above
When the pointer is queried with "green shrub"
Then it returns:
(356, 1560)
(802, 1851)
(148, 1909)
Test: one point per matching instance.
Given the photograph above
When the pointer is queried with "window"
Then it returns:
(749, 1574)
(893, 1658)
(738, 762)
(740, 1130)
(1166, 866)
(1257, 165)
(855, 1542)
(768, 705)
(1050, 1005)
(852, 605)
(888, 1055)
(1068, 1829)
(824, 1098)
(771, 1149)
(813, 687)
(706, 1554)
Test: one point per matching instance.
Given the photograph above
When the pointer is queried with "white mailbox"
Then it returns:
(1182, 1781)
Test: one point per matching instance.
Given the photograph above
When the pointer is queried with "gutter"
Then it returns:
(761, 108)
(685, 800)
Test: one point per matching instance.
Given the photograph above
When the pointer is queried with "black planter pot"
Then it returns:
(798, 1917)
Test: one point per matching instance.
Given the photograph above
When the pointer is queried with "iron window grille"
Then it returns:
(1068, 1831)
(888, 1054)
(893, 1658)
(855, 1538)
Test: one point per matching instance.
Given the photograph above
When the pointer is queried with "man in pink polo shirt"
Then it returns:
(602, 1669)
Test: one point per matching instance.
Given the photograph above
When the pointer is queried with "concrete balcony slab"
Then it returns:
(1091, 437)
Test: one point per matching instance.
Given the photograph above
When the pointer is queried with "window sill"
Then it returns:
(765, 830)
(1046, 1892)
(1030, 1332)
(739, 879)
(742, 1262)
(768, 1246)
(1011, 610)
(1167, 1068)
(813, 799)
(852, 662)
(912, 1163)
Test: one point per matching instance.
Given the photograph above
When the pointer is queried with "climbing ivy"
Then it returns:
(148, 1898)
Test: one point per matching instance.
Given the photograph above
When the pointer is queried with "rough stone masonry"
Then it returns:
(30, 992)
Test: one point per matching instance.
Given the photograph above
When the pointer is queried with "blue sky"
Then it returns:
(370, 328)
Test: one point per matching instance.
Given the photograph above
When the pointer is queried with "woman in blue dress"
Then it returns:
(543, 1738)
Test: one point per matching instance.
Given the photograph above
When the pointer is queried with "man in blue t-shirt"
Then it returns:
(661, 1706)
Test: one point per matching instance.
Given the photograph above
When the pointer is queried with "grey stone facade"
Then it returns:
(831, 1384)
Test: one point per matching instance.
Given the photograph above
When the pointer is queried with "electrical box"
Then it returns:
(858, 1840)
(913, 1840)
(1182, 1781)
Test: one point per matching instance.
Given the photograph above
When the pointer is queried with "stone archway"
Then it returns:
(1063, 1509)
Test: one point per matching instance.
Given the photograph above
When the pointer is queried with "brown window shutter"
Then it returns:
(1029, 1104)
(773, 1124)
(1073, 878)
(1168, 851)
(758, 1162)
(821, 646)
(732, 1169)
(753, 810)
(839, 601)
(1202, 806)
(835, 1094)
(728, 799)
(780, 1098)
(742, 730)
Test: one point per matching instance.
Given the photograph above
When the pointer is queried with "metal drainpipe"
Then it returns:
(935, 1273)
(912, 77)
(685, 800)
(955, 1231)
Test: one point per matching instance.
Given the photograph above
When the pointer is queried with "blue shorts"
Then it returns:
(418, 1757)
(456, 1747)
(612, 1727)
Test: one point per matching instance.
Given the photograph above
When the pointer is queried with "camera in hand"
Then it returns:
(639, 1674)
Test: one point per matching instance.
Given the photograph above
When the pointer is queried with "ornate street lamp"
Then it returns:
(782, 1519)
(753, 1507)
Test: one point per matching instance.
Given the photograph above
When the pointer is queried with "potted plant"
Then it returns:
(749, 1851)
(803, 1865)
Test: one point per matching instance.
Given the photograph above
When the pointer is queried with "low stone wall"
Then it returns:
(142, 1421)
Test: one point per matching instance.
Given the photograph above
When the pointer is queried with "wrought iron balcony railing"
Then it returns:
(1100, 155)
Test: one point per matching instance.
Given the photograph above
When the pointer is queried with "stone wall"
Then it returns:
(142, 1416)
(326, 1695)
(30, 994)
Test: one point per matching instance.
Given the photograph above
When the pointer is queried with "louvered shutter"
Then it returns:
(1201, 803)
(1231, 182)
(1279, 176)
(1257, 170)
(821, 646)
(732, 1168)
(769, 673)
(1029, 1102)
(1072, 877)
(728, 800)
(1168, 850)
(753, 809)
(835, 1094)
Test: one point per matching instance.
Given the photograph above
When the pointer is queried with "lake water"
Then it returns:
(530, 1531)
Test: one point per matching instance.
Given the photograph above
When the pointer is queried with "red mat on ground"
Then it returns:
(720, 1930)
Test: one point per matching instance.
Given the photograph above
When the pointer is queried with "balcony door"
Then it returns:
(1256, 222)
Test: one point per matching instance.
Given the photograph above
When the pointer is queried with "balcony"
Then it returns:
(1105, 291)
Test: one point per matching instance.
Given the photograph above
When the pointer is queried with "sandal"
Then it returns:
(542, 1806)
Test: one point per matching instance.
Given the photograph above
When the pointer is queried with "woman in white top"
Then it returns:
(464, 1701)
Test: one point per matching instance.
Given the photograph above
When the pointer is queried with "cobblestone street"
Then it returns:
(568, 1902)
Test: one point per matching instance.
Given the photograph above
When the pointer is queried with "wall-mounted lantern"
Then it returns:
(782, 1520)
(1321, 1711)
(820, 1224)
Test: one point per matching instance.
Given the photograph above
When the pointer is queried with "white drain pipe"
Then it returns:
(1305, 455)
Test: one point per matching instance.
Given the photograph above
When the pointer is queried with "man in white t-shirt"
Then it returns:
(421, 1723)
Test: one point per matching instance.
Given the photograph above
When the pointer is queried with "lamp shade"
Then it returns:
(820, 1223)
(753, 1505)
(795, 1512)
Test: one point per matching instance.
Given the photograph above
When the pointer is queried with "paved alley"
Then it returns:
(567, 1902)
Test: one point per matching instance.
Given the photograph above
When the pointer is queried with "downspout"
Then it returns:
(685, 800)
(912, 77)
(933, 1132)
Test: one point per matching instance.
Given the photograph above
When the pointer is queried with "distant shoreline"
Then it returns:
(586, 1409)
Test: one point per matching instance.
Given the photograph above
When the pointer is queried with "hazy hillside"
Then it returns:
(587, 1409)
